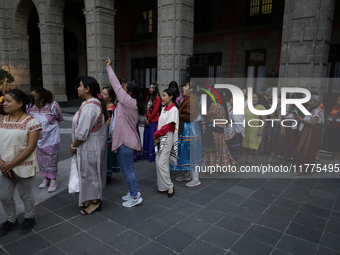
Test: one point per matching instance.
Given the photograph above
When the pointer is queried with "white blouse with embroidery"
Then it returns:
(317, 112)
(13, 140)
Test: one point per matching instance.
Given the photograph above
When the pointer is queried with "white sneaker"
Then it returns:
(193, 183)
(44, 183)
(128, 196)
(132, 202)
(183, 177)
(53, 186)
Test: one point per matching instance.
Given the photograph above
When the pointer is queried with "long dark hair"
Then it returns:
(19, 96)
(154, 95)
(92, 84)
(45, 95)
(172, 93)
(173, 84)
(111, 92)
(133, 88)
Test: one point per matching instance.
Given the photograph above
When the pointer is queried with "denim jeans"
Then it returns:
(125, 159)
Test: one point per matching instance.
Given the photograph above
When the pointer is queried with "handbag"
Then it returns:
(73, 183)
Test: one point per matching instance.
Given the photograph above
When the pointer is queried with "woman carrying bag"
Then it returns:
(89, 136)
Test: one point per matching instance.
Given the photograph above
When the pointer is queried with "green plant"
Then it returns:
(5, 79)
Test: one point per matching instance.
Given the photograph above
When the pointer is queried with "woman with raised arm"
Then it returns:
(125, 138)
(89, 136)
(49, 114)
(18, 160)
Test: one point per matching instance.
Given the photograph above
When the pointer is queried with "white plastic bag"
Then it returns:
(73, 183)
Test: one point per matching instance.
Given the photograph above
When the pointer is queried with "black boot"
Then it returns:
(27, 225)
(7, 226)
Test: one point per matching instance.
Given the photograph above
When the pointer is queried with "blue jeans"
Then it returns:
(125, 159)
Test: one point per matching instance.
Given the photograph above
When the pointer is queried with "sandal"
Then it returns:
(85, 205)
(99, 208)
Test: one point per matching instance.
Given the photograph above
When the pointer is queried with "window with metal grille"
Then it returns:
(147, 15)
(259, 12)
(259, 7)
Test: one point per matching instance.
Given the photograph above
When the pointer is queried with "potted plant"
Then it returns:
(5, 79)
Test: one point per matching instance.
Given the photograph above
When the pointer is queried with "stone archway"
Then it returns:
(19, 45)
(74, 44)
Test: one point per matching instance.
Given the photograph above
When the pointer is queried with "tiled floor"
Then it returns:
(222, 216)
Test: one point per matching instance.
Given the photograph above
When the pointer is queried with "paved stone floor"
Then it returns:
(221, 216)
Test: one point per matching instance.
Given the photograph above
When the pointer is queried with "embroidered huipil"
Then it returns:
(13, 140)
(49, 117)
(88, 125)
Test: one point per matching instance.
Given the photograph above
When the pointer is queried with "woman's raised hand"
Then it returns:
(108, 62)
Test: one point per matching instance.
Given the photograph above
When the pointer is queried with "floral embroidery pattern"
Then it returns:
(26, 163)
(99, 123)
(18, 125)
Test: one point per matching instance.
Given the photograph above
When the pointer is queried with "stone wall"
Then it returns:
(175, 39)
(100, 37)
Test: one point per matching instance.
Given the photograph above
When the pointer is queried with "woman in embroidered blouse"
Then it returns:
(331, 140)
(125, 138)
(89, 136)
(153, 106)
(166, 138)
(18, 160)
(310, 137)
(49, 114)
(109, 97)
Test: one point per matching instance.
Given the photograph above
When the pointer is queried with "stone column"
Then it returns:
(19, 62)
(175, 39)
(306, 36)
(100, 38)
(4, 63)
(52, 57)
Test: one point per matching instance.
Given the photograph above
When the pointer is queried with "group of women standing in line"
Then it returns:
(300, 142)
(105, 139)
